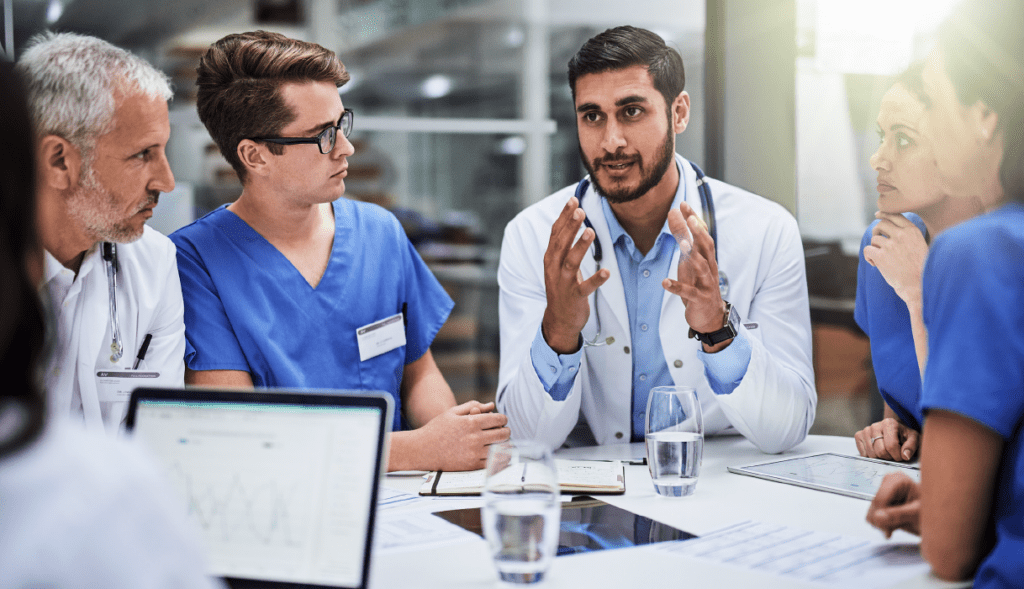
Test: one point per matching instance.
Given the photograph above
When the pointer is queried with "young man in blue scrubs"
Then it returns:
(292, 286)
(969, 507)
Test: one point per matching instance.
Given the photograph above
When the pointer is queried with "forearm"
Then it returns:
(425, 393)
(919, 332)
(407, 452)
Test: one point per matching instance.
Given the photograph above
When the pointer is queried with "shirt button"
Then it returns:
(618, 435)
(678, 363)
(643, 327)
(553, 370)
(647, 273)
(572, 369)
(625, 349)
(643, 377)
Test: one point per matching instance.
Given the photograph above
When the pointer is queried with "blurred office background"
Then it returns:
(464, 117)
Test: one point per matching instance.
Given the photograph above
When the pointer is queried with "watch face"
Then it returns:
(734, 318)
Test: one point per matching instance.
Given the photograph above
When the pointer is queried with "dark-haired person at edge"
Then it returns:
(969, 506)
(77, 508)
(581, 348)
(293, 286)
(913, 208)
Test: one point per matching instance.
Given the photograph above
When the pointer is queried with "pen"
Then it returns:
(142, 350)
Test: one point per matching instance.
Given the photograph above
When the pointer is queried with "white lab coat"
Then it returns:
(761, 253)
(148, 302)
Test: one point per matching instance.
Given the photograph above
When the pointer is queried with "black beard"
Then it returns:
(648, 179)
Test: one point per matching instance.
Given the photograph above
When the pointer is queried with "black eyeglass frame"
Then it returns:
(330, 134)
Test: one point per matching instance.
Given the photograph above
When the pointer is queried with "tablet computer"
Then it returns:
(853, 476)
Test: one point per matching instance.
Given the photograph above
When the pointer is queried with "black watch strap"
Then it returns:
(714, 338)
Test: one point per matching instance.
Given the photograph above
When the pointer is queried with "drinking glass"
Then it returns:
(522, 509)
(675, 440)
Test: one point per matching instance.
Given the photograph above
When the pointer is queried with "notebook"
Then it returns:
(585, 477)
(282, 484)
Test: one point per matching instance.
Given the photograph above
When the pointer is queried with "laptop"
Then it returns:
(282, 484)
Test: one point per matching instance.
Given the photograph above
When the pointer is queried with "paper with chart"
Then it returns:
(841, 562)
(847, 475)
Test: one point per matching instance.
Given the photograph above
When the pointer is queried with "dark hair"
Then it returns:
(22, 331)
(240, 77)
(983, 46)
(624, 47)
(911, 80)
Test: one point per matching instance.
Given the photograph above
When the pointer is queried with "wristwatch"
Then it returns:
(731, 322)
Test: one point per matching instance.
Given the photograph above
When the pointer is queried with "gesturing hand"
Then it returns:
(568, 310)
(887, 440)
(458, 439)
(697, 283)
(897, 505)
(898, 250)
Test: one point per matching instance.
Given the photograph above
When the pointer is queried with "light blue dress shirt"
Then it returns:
(641, 281)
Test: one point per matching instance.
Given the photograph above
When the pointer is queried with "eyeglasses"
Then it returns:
(325, 140)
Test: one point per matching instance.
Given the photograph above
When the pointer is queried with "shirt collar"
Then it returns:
(52, 267)
(616, 230)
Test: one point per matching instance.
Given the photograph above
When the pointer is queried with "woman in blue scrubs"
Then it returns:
(969, 507)
(292, 286)
(913, 208)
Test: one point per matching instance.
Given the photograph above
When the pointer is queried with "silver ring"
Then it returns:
(876, 438)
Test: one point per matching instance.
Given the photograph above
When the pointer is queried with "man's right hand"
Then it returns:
(459, 438)
(568, 310)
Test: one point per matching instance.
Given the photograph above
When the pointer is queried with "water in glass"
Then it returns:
(522, 533)
(674, 459)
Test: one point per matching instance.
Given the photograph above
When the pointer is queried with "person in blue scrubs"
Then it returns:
(913, 207)
(292, 286)
(969, 507)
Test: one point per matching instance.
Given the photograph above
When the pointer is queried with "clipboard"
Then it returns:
(852, 476)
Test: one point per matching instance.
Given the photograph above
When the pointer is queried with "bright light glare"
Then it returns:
(436, 86)
(515, 37)
(875, 36)
(513, 145)
(53, 11)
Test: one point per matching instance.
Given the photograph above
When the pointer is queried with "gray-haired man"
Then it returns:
(100, 116)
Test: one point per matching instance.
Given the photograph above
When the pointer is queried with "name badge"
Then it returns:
(112, 387)
(380, 337)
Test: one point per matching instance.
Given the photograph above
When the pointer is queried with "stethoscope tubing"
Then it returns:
(109, 251)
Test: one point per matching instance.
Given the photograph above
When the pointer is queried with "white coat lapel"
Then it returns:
(611, 291)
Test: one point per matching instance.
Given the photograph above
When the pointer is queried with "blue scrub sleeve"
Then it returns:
(210, 343)
(975, 332)
(427, 305)
(861, 308)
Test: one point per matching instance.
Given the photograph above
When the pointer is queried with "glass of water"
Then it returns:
(522, 509)
(675, 440)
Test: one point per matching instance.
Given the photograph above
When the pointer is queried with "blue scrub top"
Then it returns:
(974, 312)
(248, 308)
(884, 317)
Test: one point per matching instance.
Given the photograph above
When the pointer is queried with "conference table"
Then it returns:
(720, 500)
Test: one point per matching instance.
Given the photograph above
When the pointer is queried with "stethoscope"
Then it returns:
(708, 212)
(109, 251)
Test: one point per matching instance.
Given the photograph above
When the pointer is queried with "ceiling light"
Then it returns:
(436, 86)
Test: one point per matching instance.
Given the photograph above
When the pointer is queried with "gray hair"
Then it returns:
(72, 83)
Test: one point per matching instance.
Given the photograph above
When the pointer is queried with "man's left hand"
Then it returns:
(697, 277)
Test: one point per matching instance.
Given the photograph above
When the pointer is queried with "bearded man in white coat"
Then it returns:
(101, 124)
(592, 320)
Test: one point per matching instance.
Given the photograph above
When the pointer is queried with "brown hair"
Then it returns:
(239, 81)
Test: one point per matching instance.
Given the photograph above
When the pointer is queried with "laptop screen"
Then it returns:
(282, 486)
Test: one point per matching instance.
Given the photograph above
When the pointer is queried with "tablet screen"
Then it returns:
(854, 476)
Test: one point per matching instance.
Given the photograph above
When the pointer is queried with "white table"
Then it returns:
(721, 499)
